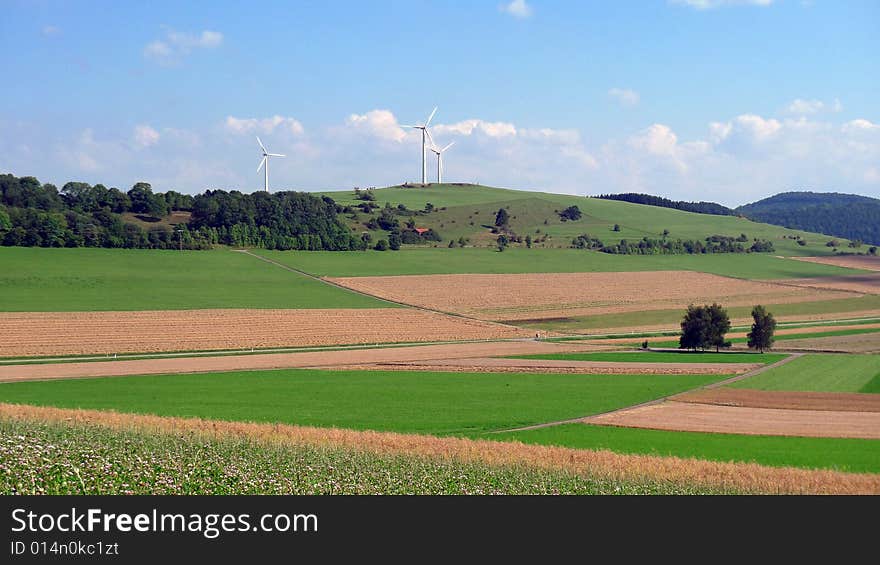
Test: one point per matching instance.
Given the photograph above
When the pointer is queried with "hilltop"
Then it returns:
(844, 215)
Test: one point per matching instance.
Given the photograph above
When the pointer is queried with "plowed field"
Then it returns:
(862, 284)
(554, 295)
(865, 262)
(75, 333)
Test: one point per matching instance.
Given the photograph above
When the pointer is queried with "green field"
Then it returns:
(854, 455)
(662, 357)
(782, 338)
(440, 260)
(78, 459)
(437, 403)
(54, 280)
(470, 207)
(821, 373)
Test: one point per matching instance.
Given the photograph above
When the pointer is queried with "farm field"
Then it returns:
(440, 260)
(821, 373)
(817, 337)
(786, 400)
(863, 284)
(863, 262)
(662, 357)
(868, 342)
(36, 334)
(853, 455)
(412, 402)
(553, 295)
(94, 279)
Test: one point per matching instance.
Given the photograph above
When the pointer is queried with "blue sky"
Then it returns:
(695, 99)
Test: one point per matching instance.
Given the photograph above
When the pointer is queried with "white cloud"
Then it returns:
(517, 8)
(860, 126)
(145, 136)
(800, 107)
(710, 4)
(624, 96)
(379, 123)
(177, 44)
(472, 126)
(264, 125)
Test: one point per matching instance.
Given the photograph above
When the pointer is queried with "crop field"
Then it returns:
(853, 455)
(553, 295)
(93, 279)
(440, 260)
(821, 373)
(863, 284)
(413, 402)
(36, 334)
(867, 342)
(864, 262)
(662, 357)
(786, 400)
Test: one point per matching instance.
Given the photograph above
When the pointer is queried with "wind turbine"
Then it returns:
(439, 154)
(425, 135)
(265, 161)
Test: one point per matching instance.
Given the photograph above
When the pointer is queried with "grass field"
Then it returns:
(470, 207)
(54, 280)
(662, 357)
(440, 260)
(778, 338)
(437, 403)
(820, 373)
(95, 460)
(854, 455)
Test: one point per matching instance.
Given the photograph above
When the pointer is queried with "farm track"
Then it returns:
(607, 465)
(313, 359)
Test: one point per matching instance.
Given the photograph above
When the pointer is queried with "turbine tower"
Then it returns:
(425, 135)
(265, 162)
(439, 154)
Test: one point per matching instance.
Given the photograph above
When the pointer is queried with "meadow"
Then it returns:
(853, 455)
(402, 401)
(94, 279)
(819, 373)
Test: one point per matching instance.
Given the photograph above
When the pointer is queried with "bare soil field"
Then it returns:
(690, 417)
(77, 333)
(312, 359)
(862, 284)
(555, 295)
(833, 401)
(859, 343)
(866, 262)
(496, 365)
(608, 465)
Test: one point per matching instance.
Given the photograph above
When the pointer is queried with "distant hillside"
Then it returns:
(843, 215)
(697, 207)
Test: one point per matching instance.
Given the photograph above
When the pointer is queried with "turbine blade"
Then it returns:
(263, 147)
(261, 164)
(448, 146)
(431, 116)
(275, 155)
(431, 139)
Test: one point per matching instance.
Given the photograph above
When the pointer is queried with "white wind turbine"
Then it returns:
(425, 134)
(265, 161)
(439, 154)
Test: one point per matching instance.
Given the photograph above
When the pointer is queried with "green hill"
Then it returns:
(462, 210)
(844, 215)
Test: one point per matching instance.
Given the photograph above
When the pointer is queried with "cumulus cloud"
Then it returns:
(177, 44)
(516, 8)
(476, 126)
(379, 123)
(624, 96)
(264, 125)
(860, 126)
(710, 4)
(800, 107)
(145, 136)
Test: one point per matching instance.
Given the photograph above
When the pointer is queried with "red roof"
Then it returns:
(420, 231)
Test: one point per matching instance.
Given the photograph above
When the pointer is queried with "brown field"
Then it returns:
(316, 359)
(833, 401)
(78, 333)
(691, 417)
(866, 262)
(607, 465)
(859, 343)
(555, 295)
(862, 284)
(497, 365)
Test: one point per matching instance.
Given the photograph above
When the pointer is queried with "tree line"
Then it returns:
(664, 246)
(704, 327)
(34, 214)
(649, 200)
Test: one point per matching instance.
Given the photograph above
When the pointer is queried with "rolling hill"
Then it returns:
(843, 215)
(468, 211)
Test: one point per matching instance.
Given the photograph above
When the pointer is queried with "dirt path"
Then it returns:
(321, 359)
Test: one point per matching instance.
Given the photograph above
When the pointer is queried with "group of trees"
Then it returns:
(698, 207)
(650, 246)
(704, 327)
